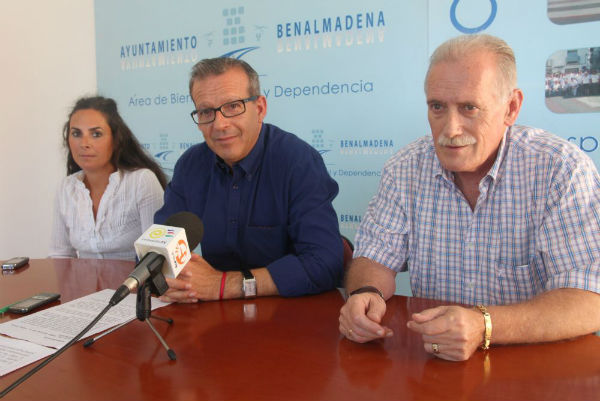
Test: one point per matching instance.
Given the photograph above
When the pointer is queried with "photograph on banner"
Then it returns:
(573, 11)
(573, 81)
(533, 47)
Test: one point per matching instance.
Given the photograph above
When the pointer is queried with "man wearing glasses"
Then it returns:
(264, 195)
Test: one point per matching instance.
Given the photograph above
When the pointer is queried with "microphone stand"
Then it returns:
(156, 285)
(143, 311)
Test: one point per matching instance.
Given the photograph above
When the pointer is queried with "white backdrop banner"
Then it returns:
(345, 76)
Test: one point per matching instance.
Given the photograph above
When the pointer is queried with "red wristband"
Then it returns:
(222, 285)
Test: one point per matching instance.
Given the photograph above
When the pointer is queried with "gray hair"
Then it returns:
(461, 46)
(220, 65)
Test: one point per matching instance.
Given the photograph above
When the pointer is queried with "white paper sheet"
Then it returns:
(56, 326)
(15, 354)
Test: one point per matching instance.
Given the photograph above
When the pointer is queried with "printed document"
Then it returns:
(54, 327)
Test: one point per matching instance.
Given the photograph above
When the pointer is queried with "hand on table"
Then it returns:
(449, 332)
(360, 318)
(197, 281)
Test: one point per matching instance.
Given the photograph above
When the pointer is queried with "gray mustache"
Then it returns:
(462, 140)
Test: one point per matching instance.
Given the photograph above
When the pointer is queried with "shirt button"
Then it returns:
(235, 187)
(233, 221)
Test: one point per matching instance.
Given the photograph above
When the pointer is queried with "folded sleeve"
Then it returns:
(315, 265)
(383, 233)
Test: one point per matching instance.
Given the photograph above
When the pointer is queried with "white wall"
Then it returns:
(47, 61)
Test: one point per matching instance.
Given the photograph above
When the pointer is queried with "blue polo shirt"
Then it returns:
(273, 209)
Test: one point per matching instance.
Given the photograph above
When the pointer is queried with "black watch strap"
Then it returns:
(247, 274)
(368, 288)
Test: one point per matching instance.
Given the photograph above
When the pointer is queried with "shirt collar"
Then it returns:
(502, 149)
(250, 163)
(113, 179)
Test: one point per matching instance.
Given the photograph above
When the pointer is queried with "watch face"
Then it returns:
(249, 288)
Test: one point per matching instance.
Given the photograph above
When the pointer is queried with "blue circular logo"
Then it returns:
(463, 28)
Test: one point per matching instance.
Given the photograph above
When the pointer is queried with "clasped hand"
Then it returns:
(360, 318)
(197, 281)
(456, 331)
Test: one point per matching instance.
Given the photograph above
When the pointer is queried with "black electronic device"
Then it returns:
(31, 303)
(15, 263)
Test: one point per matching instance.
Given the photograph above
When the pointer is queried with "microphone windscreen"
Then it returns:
(194, 229)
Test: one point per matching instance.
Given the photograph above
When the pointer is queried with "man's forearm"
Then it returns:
(366, 272)
(551, 316)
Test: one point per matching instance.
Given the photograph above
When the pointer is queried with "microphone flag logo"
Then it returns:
(181, 252)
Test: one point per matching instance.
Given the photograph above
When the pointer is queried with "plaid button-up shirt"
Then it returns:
(535, 227)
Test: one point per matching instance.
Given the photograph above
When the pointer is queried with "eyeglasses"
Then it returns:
(230, 109)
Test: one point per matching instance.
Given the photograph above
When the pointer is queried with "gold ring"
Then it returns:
(350, 332)
(435, 348)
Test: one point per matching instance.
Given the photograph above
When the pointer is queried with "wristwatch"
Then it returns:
(248, 284)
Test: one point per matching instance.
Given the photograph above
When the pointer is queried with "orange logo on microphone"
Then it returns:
(181, 252)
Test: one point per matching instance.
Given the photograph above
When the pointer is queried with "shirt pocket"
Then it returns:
(264, 244)
(514, 283)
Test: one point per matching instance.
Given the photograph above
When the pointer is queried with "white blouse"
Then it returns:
(125, 211)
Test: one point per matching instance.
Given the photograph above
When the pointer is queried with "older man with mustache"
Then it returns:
(485, 213)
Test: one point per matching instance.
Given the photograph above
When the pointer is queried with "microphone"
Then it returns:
(162, 248)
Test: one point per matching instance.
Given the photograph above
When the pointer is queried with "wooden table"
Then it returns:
(280, 349)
